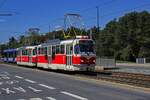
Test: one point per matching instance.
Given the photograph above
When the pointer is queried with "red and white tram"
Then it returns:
(73, 55)
(26, 56)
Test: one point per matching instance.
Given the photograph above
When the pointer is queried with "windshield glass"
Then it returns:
(84, 46)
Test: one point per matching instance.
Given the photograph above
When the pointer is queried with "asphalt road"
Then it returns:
(18, 83)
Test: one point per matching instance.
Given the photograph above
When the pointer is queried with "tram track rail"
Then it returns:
(134, 79)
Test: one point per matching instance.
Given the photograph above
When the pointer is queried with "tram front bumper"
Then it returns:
(84, 67)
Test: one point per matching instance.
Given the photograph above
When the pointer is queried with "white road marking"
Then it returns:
(19, 77)
(50, 98)
(20, 89)
(33, 89)
(8, 91)
(5, 77)
(35, 99)
(3, 74)
(1, 83)
(30, 81)
(12, 82)
(73, 95)
(49, 87)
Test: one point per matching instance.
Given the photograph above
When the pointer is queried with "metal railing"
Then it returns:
(106, 62)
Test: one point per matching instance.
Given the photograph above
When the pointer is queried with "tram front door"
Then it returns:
(69, 49)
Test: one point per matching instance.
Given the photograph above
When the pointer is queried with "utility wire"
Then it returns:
(99, 5)
(120, 11)
(80, 11)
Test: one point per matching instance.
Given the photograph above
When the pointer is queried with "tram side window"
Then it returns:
(29, 52)
(53, 49)
(49, 48)
(76, 49)
(42, 51)
(5, 54)
(39, 51)
(19, 53)
(14, 54)
(57, 49)
(62, 49)
(24, 52)
(10, 54)
(45, 50)
(34, 51)
(53, 52)
(71, 48)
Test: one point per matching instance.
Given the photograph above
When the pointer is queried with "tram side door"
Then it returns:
(69, 55)
(49, 54)
(30, 55)
(19, 55)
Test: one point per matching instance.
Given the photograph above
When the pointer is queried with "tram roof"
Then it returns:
(58, 41)
(51, 42)
(72, 40)
(28, 47)
(10, 50)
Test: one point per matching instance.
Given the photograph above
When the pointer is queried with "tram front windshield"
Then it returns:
(84, 46)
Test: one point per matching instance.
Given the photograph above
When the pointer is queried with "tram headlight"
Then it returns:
(94, 60)
(82, 60)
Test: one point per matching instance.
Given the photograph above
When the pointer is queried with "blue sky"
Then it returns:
(45, 13)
